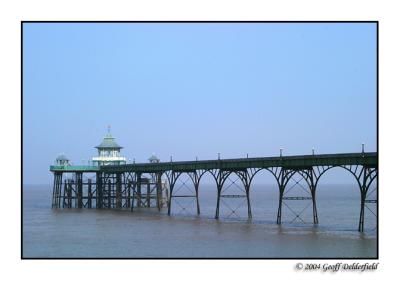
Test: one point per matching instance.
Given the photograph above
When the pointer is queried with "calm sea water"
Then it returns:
(147, 233)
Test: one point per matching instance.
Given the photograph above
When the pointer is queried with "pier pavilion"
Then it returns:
(108, 152)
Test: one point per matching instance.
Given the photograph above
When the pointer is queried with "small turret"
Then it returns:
(62, 160)
(154, 159)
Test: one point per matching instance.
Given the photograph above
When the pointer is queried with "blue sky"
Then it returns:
(190, 90)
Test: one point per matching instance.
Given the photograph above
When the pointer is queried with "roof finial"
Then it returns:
(108, 128)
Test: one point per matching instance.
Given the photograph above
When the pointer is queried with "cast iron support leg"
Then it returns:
(69, 193)
(196, 187)
(148, 195)
(53, 201)
(170, 198)
(314, 203)
(99, 191)
(139, 189)
(109, 194)
(118, 198)
(313, 190)
(89, 202)
(361, 221)
(159, 195)
(66, 183)
(249, 214)
(57, 189)
(79, 187)
(218, 200)
(134, 194)
(282, 185)
(128, 199)
(279, 217)
(363, 190)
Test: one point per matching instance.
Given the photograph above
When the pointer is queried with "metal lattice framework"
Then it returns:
(140, 185)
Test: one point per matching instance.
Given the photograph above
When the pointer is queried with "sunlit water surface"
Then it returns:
(147, 233)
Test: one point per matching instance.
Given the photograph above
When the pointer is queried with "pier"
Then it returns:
(139, 185)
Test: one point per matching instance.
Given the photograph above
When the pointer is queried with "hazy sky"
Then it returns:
(192, 90)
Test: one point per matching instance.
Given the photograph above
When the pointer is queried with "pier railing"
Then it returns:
(73, 168)
(259, 162)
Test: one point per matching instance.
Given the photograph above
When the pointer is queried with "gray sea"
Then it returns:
(146, 233)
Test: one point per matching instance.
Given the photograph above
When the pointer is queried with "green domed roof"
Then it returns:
(62, 157)
(154, 158)
(108, 142)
